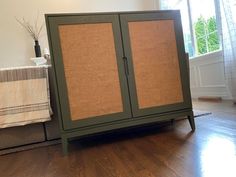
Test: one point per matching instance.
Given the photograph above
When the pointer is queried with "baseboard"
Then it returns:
(210, 98)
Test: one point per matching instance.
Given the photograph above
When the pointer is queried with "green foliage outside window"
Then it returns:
(206, 34)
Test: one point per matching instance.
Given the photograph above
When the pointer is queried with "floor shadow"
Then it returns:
(121, 135)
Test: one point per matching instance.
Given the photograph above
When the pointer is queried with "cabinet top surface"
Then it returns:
(110, 13)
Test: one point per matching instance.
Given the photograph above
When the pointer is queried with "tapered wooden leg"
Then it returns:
(191, 122)
(64, 145)
(172, 121)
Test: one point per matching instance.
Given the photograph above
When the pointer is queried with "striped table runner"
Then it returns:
(24, 96)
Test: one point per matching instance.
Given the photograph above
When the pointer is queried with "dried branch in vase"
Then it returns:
(33, 30)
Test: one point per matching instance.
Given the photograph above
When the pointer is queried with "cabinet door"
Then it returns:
(154, 47)
(87, 58)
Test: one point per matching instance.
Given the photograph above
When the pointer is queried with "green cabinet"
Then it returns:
(116, 70)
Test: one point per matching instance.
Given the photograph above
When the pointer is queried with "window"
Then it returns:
(199, 23)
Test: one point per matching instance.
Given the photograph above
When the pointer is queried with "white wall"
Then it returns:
(16, 45)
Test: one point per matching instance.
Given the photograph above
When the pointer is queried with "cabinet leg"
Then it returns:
(191, 122)
(64, 145)
(172, 121)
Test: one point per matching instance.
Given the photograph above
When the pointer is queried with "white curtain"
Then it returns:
(228, 26)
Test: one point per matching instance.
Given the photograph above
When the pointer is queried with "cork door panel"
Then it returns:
(155, 62)
(91, 71)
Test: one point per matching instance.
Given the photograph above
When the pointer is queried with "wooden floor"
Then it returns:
(159, 151)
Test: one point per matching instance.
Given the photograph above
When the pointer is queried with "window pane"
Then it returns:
(204, 25)
(199, 27)
(201, 46)
(204, 8)
(213, 42)
(211, 24)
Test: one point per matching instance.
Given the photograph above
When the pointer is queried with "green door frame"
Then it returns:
(159, 15)
(54, 41)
